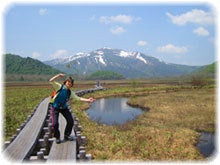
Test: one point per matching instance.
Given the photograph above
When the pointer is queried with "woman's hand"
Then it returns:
(91, 100)
(60, 75)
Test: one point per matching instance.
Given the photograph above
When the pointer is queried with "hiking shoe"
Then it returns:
(69, 138)
(58, 141)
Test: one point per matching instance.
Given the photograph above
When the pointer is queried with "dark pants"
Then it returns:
(69, 122)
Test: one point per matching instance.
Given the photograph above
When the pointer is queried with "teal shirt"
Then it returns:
(57, 86)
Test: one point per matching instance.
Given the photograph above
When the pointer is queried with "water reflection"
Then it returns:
(112, 111)
(206, 144)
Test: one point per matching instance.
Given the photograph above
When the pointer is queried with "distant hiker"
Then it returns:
(60, 105)
(98, 84)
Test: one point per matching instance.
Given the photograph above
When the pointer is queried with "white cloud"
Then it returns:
(170, 48)
(118, 19)
(59, 53)
(117, 30)
(121, 18)
(195, 16)
(201, 31)
(36, 55)
(141, 43)
(42, 11)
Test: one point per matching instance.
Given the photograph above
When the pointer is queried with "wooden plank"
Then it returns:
(64, 151)
(23, 144)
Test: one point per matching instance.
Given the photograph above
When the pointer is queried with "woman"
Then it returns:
(60, 105)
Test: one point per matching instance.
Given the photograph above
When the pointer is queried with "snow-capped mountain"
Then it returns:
(129, 64)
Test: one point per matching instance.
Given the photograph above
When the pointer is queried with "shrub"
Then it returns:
(197, 81)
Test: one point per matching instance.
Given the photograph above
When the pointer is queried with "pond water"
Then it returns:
(112, 111)
(206, 144)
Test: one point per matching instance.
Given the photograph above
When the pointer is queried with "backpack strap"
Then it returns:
(60, 89)
(68, 93)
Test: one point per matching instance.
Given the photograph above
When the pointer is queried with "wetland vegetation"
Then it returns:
(168, 131)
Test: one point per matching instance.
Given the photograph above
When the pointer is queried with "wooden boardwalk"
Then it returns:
(21, 147)
(66, 150)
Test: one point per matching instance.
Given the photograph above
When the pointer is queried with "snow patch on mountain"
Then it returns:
(99, 58)
(126, 54)
(99, 52)
(141, 58)
(80, 53)
(74, 57)
(136, 55)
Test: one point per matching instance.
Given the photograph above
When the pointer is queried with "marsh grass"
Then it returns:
(194, 109)
(19, 102)
(168, 131)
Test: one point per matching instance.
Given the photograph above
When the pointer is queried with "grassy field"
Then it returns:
(18, 104)
(168, 131)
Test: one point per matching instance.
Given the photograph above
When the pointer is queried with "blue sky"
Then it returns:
(181, 33)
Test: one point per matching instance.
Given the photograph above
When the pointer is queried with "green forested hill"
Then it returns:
(15, 64)
(207, 71)
(105, 75)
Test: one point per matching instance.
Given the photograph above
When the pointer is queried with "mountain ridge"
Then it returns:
(130, 64)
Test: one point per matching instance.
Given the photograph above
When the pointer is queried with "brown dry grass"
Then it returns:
(167, 132)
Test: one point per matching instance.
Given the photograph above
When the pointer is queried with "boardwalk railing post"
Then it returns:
(6, 144)
(40, 155)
